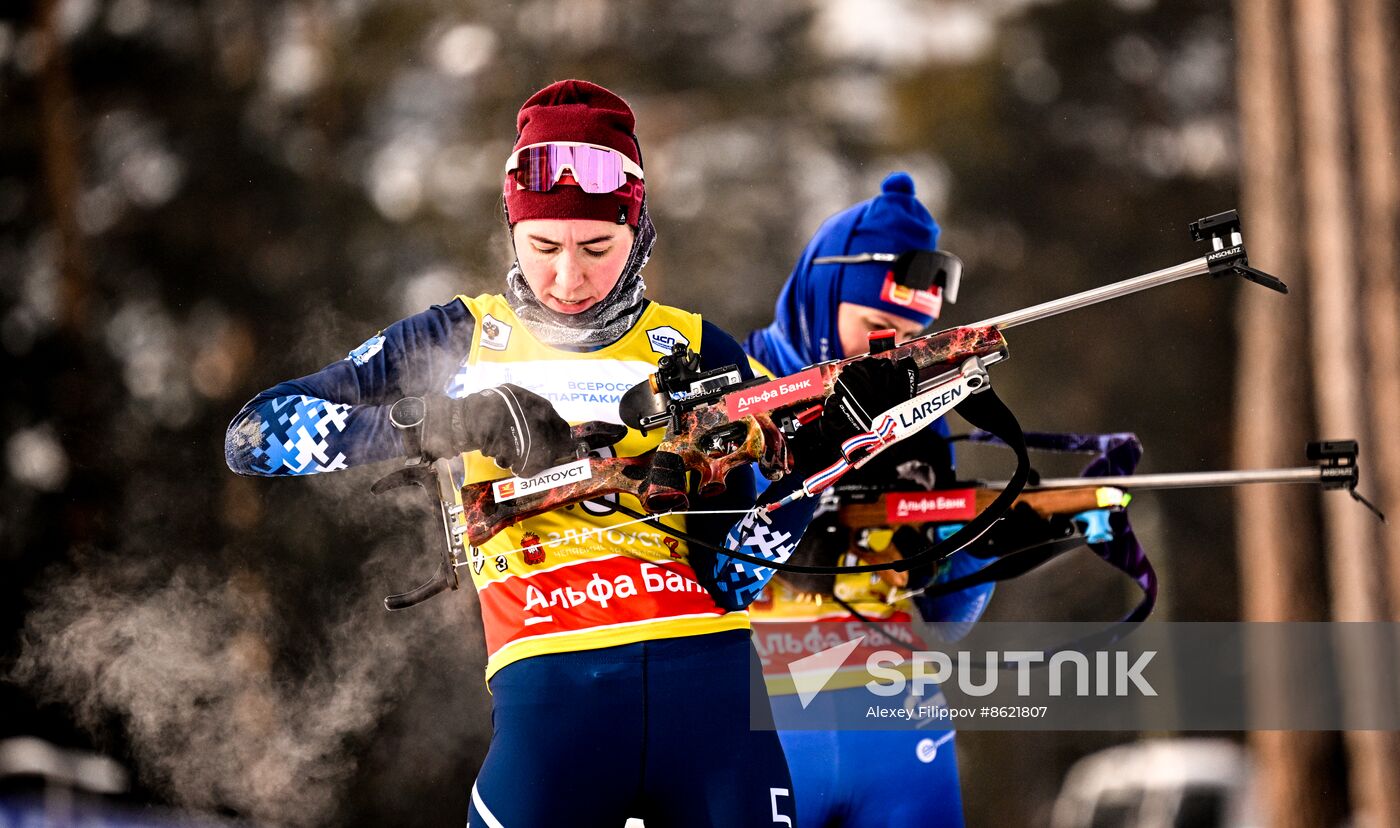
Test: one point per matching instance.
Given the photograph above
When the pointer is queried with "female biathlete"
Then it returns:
(620, 673)
(853, 278)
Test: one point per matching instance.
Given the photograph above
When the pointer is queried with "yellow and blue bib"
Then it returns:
(582, 577)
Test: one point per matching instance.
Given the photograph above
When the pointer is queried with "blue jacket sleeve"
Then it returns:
(959, 611)
(771, 536)
(339, 416)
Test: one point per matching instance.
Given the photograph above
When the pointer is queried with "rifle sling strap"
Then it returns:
(984, 410)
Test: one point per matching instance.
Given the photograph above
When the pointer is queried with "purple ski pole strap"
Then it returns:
(1114, 454)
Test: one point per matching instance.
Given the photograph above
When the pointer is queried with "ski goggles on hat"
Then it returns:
(919, 270)
(539, 167)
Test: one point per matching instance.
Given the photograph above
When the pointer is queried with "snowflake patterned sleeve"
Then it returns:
(733, 583)
(339, 416)
(768, 535)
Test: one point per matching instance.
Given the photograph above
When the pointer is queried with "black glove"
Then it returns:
(864, 390)
(516, 427)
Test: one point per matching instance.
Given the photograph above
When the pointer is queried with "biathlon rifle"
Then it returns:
(862, 509)
(1334, 467)
(715, 422)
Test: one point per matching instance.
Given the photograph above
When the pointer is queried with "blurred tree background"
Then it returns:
(200, 199)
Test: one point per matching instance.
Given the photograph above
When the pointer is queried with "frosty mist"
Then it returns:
(183, 659)
(233, 678)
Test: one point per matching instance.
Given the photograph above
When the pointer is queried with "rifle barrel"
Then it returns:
(1195, 267)
(1184, 480)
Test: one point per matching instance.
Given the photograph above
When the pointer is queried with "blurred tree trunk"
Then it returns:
(1373, 44)
(1337, 362)
(1338, 365)
(1275, 530)
(62, 167)
(1374, 93)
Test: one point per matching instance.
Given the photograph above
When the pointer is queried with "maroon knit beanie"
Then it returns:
(576, 110)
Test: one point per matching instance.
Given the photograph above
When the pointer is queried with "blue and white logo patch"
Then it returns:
(664, 338)
(366, 352)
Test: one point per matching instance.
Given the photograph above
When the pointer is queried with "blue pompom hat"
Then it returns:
(804, 324)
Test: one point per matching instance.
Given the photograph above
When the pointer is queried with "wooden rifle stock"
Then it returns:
(485, 516)
(646, 477)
